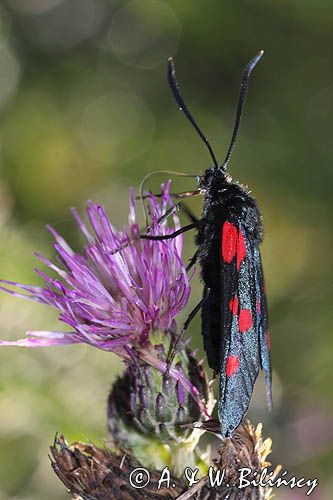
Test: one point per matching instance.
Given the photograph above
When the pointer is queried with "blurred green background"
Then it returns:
(85, 112)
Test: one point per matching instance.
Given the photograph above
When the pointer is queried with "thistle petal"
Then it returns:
(112, 300)
(43, 339)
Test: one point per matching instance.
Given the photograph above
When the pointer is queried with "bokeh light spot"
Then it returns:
(116, 127)
(65, 25)
(32, 6)
(144, 33)
(9, 75)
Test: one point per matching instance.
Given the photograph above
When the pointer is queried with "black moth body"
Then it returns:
(234, 310)
(234, 307)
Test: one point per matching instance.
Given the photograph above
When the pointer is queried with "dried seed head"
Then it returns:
(91, 473)
(246, 449)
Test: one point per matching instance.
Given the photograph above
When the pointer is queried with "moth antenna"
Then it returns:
(241, 101)
(182, 106)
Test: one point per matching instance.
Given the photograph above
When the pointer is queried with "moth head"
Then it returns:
(213, 177)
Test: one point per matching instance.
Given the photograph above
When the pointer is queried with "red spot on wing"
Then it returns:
(268, 334)
(233, 305)
(232, 365)
(229, 242)
(244, 320)
(241, 249)
(259, 306)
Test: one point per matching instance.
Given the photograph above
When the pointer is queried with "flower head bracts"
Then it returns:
(112, 300)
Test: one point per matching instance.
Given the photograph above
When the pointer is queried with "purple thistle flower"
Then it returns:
(116, 301)
(112, 300)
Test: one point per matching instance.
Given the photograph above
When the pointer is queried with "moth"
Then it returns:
(233, 307)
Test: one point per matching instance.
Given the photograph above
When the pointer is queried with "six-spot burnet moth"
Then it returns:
(234, 307)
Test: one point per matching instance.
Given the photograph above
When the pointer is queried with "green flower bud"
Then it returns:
(148, 410)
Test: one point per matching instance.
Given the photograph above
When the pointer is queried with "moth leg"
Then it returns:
(194, 223)
(188, 212)
(166, 215)
(184, 194)
(179, 206)
(192, 261)
(190, 317)
(163, 217)
(168, 236)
